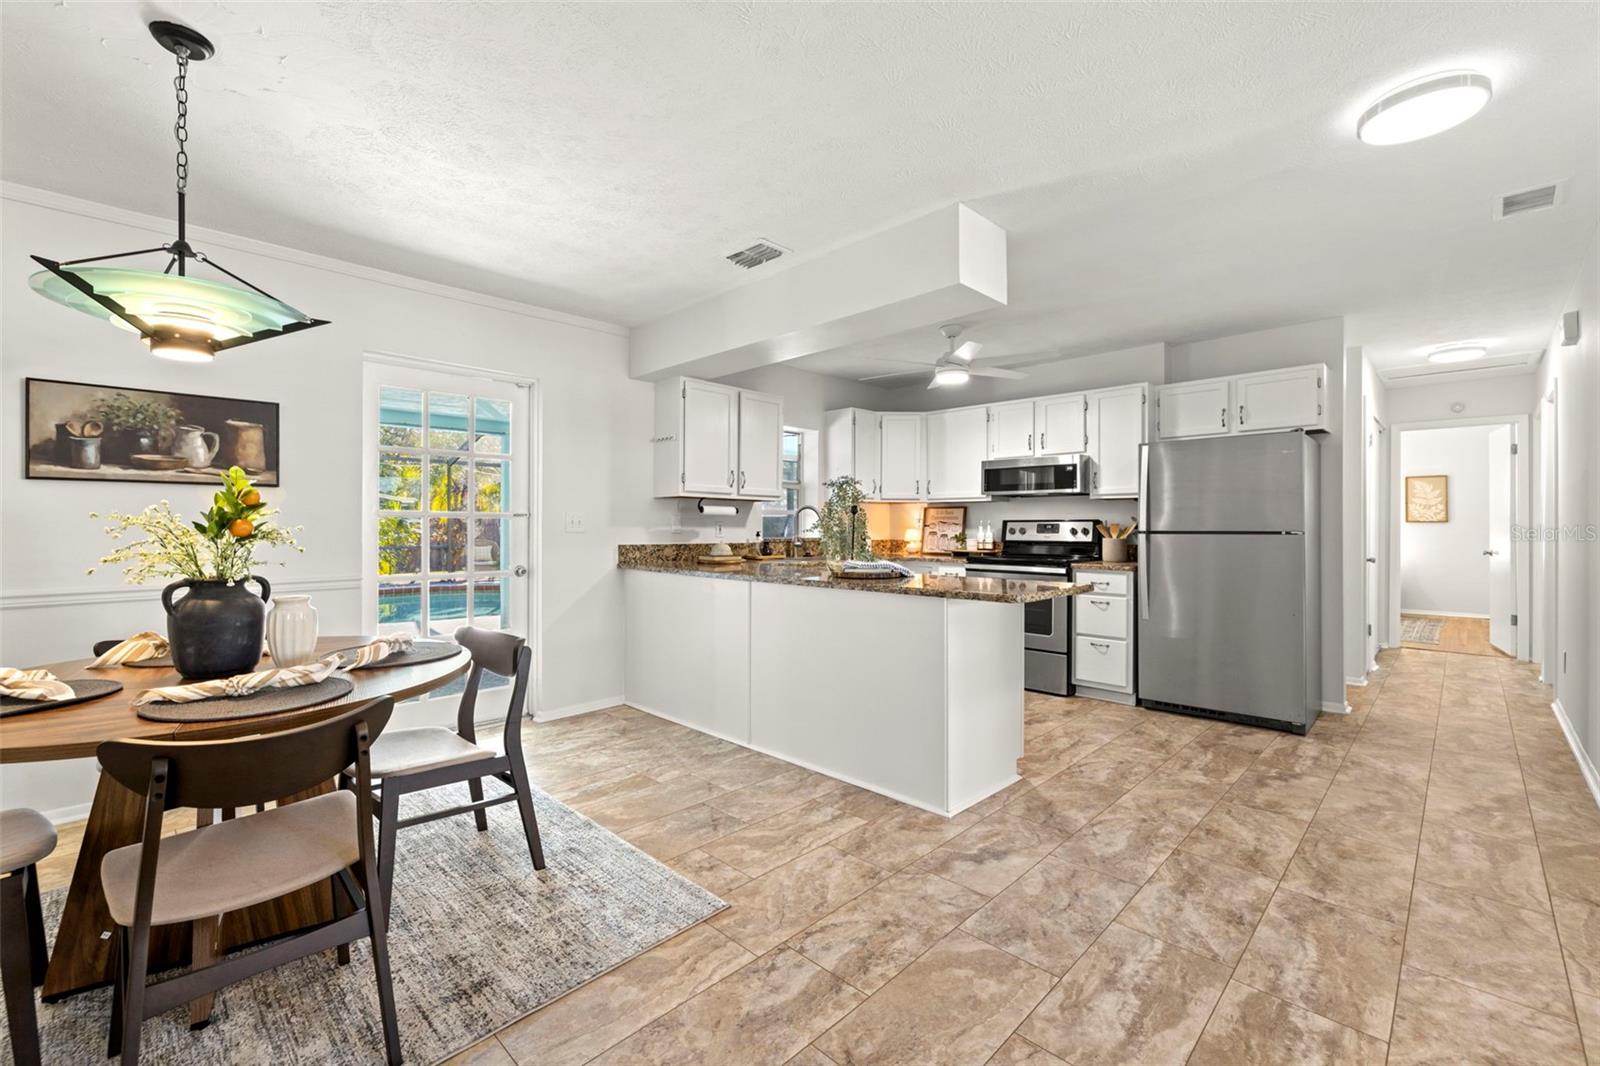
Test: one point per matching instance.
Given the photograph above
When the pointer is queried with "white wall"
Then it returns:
(594, 432)
(1442, 566)
(1512, 394)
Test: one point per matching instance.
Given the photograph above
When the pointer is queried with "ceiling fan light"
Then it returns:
(180, 347)
(1424, 107)
(951, 375)
(1458, 353)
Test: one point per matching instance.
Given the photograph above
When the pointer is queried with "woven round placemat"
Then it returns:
(422, 651)
(267, 701)
(83, 689)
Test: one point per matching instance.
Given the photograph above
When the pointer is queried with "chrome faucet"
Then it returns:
(792, 531)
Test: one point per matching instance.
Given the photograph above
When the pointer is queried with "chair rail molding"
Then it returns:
(72, 596)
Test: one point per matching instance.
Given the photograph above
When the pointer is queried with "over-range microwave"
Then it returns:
(1045, 475)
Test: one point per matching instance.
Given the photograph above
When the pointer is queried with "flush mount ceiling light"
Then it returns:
(1424, 107)
(950, 374)
(179, 317)
(1457, 353)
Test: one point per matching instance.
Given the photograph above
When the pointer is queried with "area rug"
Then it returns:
(477, 940)
(1420, 630)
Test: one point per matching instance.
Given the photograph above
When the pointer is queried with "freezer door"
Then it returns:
(1262, 482)
(1224, 624)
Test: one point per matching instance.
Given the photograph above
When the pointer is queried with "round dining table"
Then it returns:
(82, 955)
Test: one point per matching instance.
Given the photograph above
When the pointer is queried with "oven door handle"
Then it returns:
(1019, 571)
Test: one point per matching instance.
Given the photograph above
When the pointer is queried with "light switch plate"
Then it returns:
(575, 522)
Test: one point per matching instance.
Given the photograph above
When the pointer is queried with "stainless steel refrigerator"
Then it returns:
(1229, 579)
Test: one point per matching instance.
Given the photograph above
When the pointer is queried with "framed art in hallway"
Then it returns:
(1428, 498)
(76, 431)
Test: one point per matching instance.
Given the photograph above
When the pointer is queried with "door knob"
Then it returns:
(1491, 551)
(519, 571)
(1372, 558)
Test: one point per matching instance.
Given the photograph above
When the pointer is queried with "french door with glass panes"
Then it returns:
(447, 514)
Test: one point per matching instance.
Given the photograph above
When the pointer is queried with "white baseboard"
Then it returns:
(1591, 775)
(62, 815)
(550, 714)
(1358, 682)
(1443, 614)
(1331, 707)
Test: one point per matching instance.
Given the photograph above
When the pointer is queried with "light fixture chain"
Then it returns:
(180, 129)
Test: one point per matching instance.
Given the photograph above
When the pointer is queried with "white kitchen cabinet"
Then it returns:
(956, 441)
(760, 446)
(851, 447)
(1062, 424)
(700, 440)
(901, 456)
(1118, 424)
(1103, 635)
(1011, 430)
(1194, 409)
(1291, 398)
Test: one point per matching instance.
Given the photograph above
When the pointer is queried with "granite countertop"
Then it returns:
(988, 588)
(1102, 565)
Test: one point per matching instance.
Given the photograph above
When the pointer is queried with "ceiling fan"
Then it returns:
(954, 367)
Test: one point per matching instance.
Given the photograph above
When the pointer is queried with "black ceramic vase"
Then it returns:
(121, 445)
(217, 629)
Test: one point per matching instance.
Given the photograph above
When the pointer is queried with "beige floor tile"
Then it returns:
(1573, 815)
(1296, 795)
(1483, 865)
(776, 794)
(1302, 755)
(1018, 1052)
(1438, 1022)
(1490, 811)
(1579, 926)
(740, 769)
(1494, 947)
(1340, 964)
(484, 1053)
(882, 931)
(777, 905)
(898, 840)
(769, 844)
(1051, 914)
(1123, 845)
(1251, 1028)
(956, 1004)
(1572, 867)
(865, 804)
(1129, 999)
(1557, 773)
(1353, 873)
(810, 1056)
(1589, 1025)
(1064, 803)
(1359, 810)
(1216, 760)
(1121, 763)
(766, 1012)
(641, 799)
(992, 854)
(1204, 906)
(1259, 841)
(591, 1018)
(712, 874)
(681, 831)
(1177, 796)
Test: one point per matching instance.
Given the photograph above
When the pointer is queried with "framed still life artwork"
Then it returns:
(80, 432)
(1428, 498)
(940, 525)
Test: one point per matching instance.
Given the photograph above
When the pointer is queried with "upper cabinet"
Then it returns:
(955, 445)
(715, 440)
(1118, 423)
(851, 448)
(1011, 430)
(900, 457)
(1291, 398)
(1062, 423)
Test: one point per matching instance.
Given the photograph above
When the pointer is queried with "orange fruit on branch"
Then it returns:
(241, 527)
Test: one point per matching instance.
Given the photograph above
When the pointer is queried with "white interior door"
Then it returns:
(1502, 581)
(1373, 504)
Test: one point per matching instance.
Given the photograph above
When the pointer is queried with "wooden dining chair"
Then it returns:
(192, 877)
(26, 836)
(415, 760)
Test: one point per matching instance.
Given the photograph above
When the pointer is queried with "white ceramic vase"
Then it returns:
(292, 630)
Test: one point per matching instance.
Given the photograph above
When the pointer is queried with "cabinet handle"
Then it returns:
(1030, 442)
(730, 479)
(919, 486)
(741, 479)
(1100, 644)
(1224, 418)
(1241, 414)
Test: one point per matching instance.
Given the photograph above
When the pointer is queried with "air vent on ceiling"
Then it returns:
(1528, 200)
(758, 253)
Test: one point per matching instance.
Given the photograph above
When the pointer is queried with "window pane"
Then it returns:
(399, 417)
(447, 545)
(491, 543)
(399, 545)
(447, 421)
(447, 606)
(492, 425)
(488, 603)
(399, 482)
(791, 446)
(400, 608)
(774, 525)
(447, 484)
(791, 500)
(492, 485)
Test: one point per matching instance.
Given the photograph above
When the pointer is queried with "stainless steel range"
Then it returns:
(1045, 549)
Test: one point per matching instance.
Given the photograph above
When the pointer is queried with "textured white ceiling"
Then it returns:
(1166, 171)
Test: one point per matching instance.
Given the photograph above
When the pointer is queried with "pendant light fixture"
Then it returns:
(178, 316)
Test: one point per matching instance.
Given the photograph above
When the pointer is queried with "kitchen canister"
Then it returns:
(292, 631)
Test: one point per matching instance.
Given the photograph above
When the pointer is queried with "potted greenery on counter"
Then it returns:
(842, 521)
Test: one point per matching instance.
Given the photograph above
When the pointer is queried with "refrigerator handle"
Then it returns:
(1145, 543)
(1144, 487)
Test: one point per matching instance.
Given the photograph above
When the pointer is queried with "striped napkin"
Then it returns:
(382, 648)
(136, 649)
(33, 685)
(242, 684)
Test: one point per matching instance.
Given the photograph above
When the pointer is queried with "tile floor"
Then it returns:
(1416, 882)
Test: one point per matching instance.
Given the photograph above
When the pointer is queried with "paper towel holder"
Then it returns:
(716, 508)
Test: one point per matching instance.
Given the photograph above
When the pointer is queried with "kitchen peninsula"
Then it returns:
(909, 687)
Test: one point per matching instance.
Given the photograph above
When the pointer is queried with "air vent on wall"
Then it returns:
(1528, 200)
(758, 253)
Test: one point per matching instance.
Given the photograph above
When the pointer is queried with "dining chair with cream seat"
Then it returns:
(194, 876)
(26, 836)
(416, 760)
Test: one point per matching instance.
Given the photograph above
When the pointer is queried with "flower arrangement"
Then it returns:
(842, 521)
(219, 548)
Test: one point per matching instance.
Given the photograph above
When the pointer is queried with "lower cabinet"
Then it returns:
(1103, 635)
